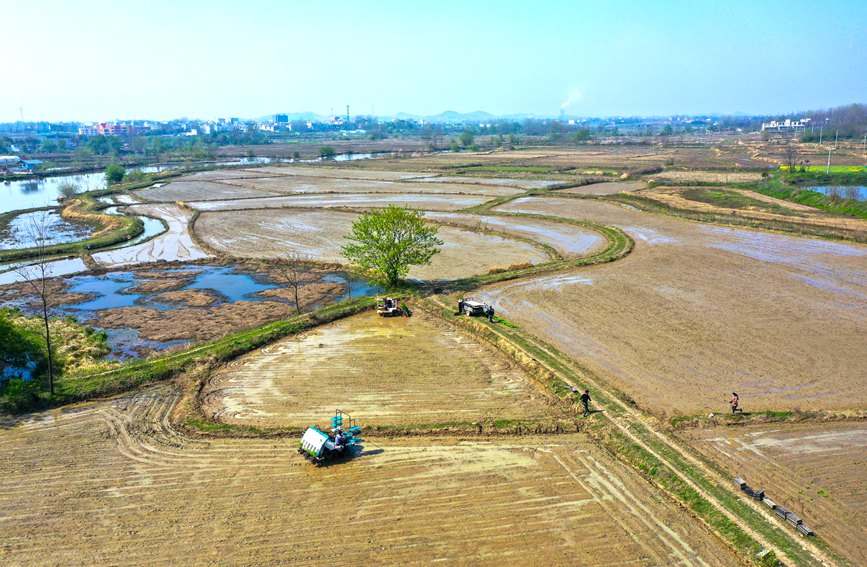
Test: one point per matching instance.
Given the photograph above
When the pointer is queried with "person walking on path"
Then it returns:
(585, 401)
(490, 313)
(734, 402)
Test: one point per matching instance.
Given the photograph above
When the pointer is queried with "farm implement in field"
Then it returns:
(320, 447)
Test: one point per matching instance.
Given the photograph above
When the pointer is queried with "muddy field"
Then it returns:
(707, 176)
(115, 481)
(568, 240)
(200, 191)
(274, 233)
(814, 470)
(390, 371)
(610, 188)
(172, 245)
(698, 311)
(363, 201)
(300, 185)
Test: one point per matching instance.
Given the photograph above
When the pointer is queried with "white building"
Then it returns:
(786, 125)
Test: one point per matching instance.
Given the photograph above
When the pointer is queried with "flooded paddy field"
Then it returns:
(391, 371)
(154, 308)
(430, 202)
(24, 229)
(173, 244)
(272, 233)
(698, 311)
(568, 240)
(816, 470)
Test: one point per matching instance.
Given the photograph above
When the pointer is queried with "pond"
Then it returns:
(857, 192)
(33, 193)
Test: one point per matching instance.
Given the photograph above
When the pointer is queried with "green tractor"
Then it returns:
(320, 447)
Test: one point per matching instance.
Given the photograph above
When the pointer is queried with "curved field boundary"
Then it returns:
(620, 244)
(84, 209)
(78, 387)
(793, 228)
(632, 436)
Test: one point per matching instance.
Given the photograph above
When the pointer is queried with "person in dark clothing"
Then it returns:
(735, 402)
(585, 401)
(461, 306)
(490, 313)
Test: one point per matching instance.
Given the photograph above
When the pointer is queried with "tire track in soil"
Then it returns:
(635, 416)
(116, 479)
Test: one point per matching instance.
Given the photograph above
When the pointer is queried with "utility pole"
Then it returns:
(821, 127)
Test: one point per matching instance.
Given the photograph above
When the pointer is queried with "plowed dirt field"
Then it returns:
(814, 470)
(390, 371)
(698, 311)
(114, 482)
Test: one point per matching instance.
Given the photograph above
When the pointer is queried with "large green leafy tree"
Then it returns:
(387, 242)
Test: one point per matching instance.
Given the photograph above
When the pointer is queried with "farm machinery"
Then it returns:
(388, 307)
(320, 447)
(471, 307)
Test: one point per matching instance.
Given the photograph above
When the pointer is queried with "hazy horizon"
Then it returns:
(100, 60)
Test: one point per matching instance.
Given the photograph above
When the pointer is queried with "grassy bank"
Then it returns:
(78, 386)
(779, 190)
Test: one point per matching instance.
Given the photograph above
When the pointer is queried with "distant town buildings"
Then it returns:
(106, 129)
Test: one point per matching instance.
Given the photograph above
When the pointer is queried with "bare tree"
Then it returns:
(292, 271)
(37, 275)
(790, 156)
(68, 189)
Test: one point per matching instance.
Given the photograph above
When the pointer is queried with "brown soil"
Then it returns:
(815, 470)
(431, 202)
(568, 240)
(698, 311)
(174, 244)
(318, 184)
(272, 233)
(157, 285)
(707, 176)
(114, 482)
(605, 188)
(198, 191)
(390, 371)
(671, 196)
(189, 297)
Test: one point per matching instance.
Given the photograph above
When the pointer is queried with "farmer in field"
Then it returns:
(490, 313)
(734, 402)
(461, 306)
(585, 401)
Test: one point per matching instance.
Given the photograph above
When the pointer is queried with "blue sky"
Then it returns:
(102, 60)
